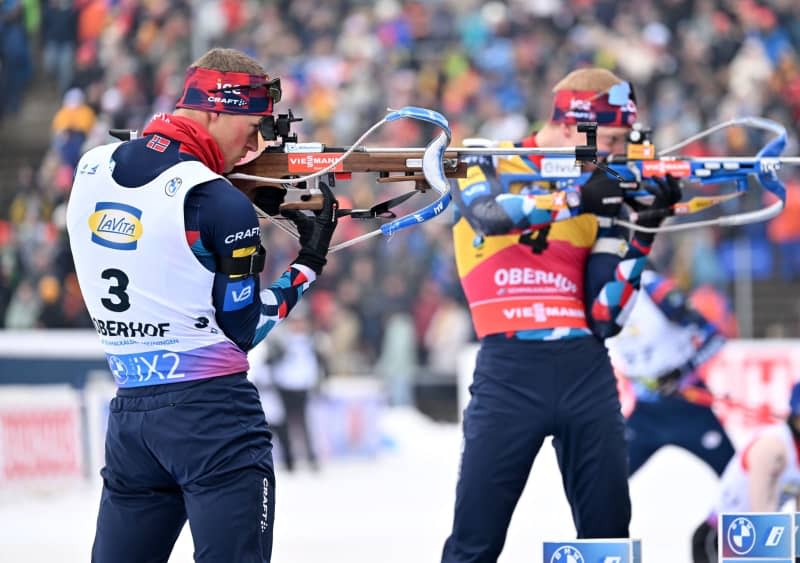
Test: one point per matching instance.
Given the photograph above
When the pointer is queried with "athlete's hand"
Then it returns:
(601, 195)
(315, 230)
(666, 193)
(669, 383)
(269, 199)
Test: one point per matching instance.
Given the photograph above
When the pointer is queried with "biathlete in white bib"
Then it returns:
(762, 477)
(662, 346)
(168, 255)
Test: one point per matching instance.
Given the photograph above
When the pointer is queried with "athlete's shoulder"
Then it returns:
(140, 161)
(223, 215)
(221, 196)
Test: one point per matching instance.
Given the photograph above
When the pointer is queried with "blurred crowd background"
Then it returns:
(72, 69)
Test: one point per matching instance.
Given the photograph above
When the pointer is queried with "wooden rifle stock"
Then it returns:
(400, 166)
(292, 164)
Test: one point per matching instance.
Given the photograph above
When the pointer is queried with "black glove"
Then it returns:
(666, 193)
(315, 231)
(601, 195)
(669, 383)
(269, 199)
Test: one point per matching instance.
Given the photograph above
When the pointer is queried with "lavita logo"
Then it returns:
(116, 225)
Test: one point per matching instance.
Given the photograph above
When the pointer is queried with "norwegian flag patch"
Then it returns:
(158, 143)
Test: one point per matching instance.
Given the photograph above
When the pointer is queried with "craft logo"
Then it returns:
(741, 536)
(311, 162)
(116, 225)
(264, 505)
(240, 101)
(566, 554)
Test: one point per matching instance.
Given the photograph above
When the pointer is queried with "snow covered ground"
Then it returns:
(395, 508)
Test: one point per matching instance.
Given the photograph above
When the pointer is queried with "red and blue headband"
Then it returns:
(615, 108)
(239, 93)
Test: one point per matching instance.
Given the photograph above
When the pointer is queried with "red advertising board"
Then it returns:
(40, 442)
(749, 383)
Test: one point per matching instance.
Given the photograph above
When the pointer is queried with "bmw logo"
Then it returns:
(118, 369)
(566, 554)
(741, 536)
(172, 187)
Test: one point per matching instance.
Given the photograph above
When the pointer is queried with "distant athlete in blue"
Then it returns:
(662, 344)
(168, 255)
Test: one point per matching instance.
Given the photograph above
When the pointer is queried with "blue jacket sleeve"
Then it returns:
(490, 211)
(220, 221)
(612, 279)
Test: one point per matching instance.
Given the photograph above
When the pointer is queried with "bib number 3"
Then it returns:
(121, 301)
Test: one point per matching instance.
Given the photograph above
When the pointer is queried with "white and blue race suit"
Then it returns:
(155, 299)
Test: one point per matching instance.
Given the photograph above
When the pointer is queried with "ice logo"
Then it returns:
(566, 554)
(741, 535)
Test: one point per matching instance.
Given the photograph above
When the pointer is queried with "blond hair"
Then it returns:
(590, 79)
(229, 60)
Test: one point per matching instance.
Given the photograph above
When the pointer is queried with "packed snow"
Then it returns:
(395, 507)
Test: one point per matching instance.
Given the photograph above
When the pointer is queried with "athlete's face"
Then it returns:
(235, 135)
(611, 140)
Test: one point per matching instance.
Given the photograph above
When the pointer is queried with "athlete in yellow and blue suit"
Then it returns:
(545, 285)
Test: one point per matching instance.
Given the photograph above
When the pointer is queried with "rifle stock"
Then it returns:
(388, 164)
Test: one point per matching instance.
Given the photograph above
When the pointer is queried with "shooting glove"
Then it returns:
(601, 195)
(669, 383)
(666, 193)
(269, 199)
(315, 231)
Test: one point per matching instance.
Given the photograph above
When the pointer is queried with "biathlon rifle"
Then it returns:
(299, 167)
(642, 164)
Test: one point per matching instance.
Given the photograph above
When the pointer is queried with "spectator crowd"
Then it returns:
(393, 304)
